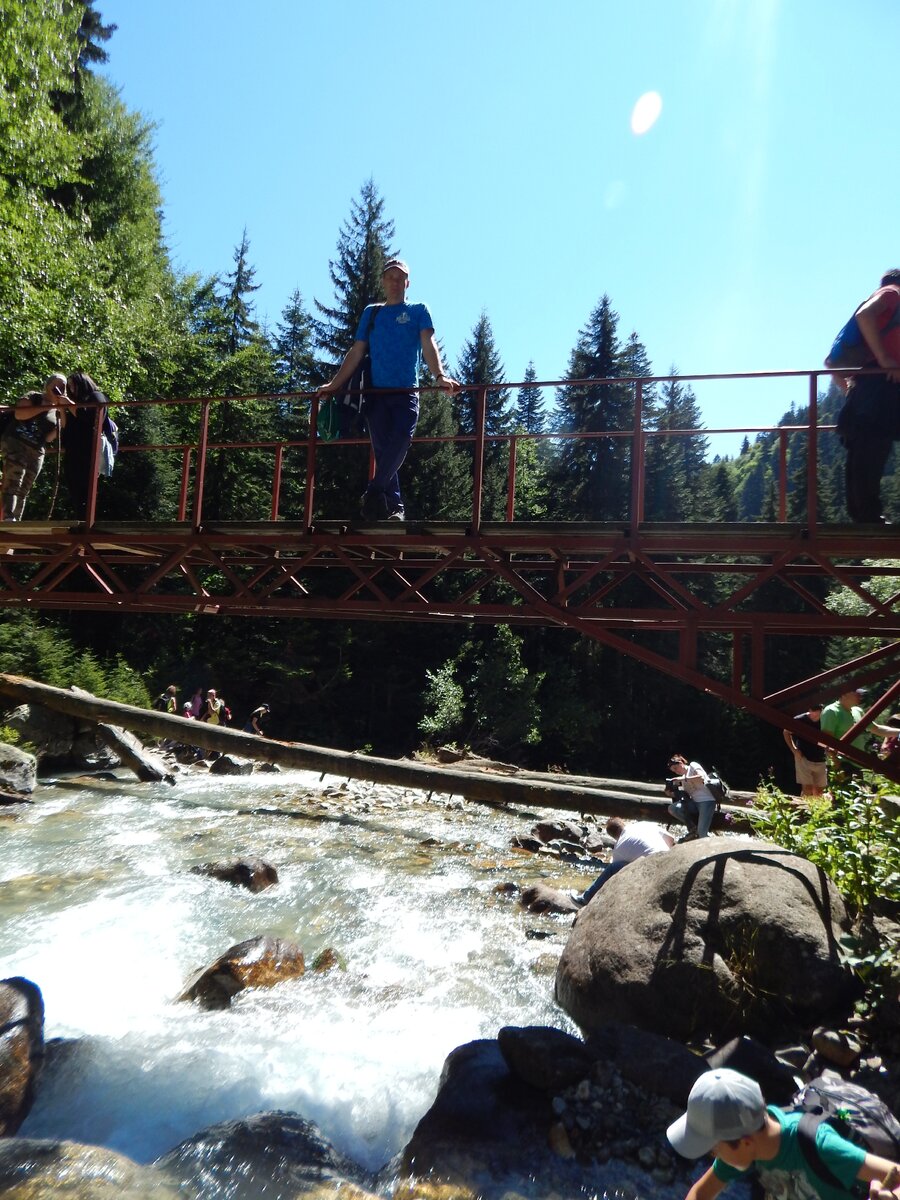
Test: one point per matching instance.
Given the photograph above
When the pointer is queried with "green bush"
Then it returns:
(848, 835)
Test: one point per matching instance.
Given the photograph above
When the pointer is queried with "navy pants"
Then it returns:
(392, 418)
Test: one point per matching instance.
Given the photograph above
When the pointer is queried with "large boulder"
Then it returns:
(274, 1154)
(483, 1119)
(717, 937)
(259, 962)
(34, 1167)
(18, 771)
(21, 1050)
(60, 742)
(546, 1058)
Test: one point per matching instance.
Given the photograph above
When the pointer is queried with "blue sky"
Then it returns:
(737, 234)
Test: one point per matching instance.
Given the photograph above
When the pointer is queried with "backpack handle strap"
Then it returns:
(807, 1128)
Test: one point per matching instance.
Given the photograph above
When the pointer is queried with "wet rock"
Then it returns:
(21, 1050)
(18, 773)
(544, 1057)
(259, 962)
(648, 1060)
(327, 960)
(230, 764)
(841, 1049)
(483, 1118)
(558, 831)
(539, 898)
(254, 874)
(265, 768)
(275, 1154)
(714, 938)
(521, 842)
(505, 889)
(33, 1169)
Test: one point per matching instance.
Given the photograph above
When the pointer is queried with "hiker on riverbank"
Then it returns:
(695, 806)
(634, 840)
(727, 1117)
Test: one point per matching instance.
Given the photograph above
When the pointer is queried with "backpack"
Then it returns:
(855, 1113)
(109, 445)
(717, 786)
(850, 348)
(161, 703)
(341, 416)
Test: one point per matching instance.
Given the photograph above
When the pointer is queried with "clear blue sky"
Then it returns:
(737, 234)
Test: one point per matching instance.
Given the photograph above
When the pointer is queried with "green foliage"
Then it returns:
(37, 649)
(848, 835)
(444, 704)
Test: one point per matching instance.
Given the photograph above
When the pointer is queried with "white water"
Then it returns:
(99, 909)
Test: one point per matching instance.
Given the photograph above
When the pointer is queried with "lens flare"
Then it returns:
(646, 112)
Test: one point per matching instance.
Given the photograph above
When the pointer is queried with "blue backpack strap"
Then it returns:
(807, 1128)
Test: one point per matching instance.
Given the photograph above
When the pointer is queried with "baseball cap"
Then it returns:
(398, 263)
(723, 1106)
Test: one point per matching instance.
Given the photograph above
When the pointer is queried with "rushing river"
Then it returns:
(99, 908)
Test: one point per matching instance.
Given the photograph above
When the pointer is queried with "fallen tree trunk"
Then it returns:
(128, 749)
(485, 788)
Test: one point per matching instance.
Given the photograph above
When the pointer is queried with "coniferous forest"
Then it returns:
(86, 282)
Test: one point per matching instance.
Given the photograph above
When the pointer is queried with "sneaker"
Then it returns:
(397, 515)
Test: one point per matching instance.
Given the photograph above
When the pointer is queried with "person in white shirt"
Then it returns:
(634, 840)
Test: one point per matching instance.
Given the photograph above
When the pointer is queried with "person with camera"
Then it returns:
(34, 424)
(693, 804)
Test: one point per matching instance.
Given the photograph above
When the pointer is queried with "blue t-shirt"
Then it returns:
(788, 1177)
(395, 346)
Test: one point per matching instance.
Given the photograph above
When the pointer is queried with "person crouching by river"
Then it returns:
(34, 425)
(696, 805)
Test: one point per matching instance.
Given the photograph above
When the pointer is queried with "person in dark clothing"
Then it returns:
(78, 436)
(809, 758)
(869, 422)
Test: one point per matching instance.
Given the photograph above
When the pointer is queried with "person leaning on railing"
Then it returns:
(33, 425)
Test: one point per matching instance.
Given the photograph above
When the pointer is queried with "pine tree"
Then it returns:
(529, 415)
(362, 249)
(591, 476)
(675, 464)
(295, 367)
(480, 364)
(237, 304)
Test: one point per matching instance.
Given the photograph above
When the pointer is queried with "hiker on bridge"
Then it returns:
(397, 336)
(79, 431)
(869, 422)
(33, 425)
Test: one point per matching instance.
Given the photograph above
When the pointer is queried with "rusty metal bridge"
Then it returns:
(662, 593)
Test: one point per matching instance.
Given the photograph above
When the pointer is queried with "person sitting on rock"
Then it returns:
(696, 805)
(633, 840)
(727, 1117)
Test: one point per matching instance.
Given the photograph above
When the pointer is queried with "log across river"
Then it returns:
(610, 798)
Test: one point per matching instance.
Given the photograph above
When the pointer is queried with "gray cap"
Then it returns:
(722, 1107)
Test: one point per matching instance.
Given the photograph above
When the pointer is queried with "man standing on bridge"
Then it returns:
(396, 335)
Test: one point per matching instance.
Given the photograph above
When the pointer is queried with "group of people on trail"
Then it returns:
(210, 708)
(66, 410)
(812, 761)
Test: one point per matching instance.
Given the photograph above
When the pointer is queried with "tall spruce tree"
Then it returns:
(675, 463)
(591, 476)
(529, 414)
(363, 247)
(480, 364)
